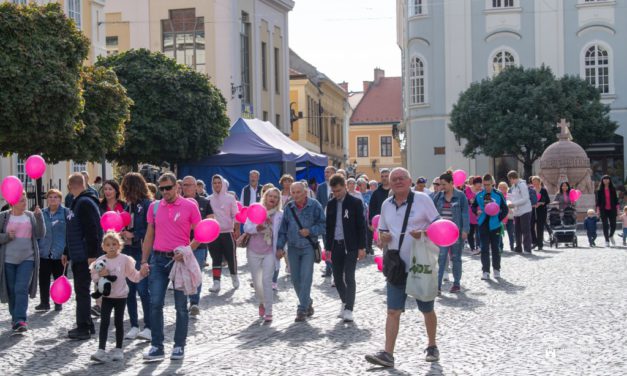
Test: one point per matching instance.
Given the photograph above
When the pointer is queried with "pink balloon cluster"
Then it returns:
(459, 177)
(60, 291)
(257, 213)
(574, 195)
(12, 189)
(443, 232)
(207, 231)
(126, 218)
(242, 214)
(112, 221)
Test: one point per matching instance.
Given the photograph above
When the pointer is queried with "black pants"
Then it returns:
(369, 240)
(537, 228)
(223, 246)
(109, 304)
(490, 240)
(82, 282)
(473, 238)
(522, 230)
(48, 268)
(344, 264)
(608, 220)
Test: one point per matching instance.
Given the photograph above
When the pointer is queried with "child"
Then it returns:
(623, 217)
(590, 224)
(121, 266)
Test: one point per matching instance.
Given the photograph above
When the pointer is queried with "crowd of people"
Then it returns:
(158, 246)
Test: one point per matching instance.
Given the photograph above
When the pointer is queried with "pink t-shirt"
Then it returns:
(608, 202)
(174, 223)
(121, 266)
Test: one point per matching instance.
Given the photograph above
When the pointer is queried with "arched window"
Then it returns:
(417, 7)
(416, 81)
(597, 68)
(501, 60)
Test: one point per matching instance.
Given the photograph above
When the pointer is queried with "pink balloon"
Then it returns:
(239, 206)
(126, 218)
(12, 189)
(378, 259)
(380, 266)
(492, 209)
(35, 166)
(375, 221)
(459, 177)
(60, 291)
(111, 220)
(323, 255)
(257, 213)
(443, 233)
(375, 236)
(574, 195)
(207, 231)
(242, 215)
(538, 196)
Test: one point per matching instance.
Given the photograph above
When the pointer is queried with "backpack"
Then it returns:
(533, 197)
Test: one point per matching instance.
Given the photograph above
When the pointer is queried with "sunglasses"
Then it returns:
(166, 188)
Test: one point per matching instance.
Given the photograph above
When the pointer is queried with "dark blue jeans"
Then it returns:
(134, 289)
(160, 267)
(18, 280)
(201, 257)
(490, 244)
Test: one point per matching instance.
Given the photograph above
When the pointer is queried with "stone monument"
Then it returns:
(565, 161)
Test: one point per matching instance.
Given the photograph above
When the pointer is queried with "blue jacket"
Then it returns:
(139, 212)
(84, 233)
(495, 221)
(311, 217)
(459, 207)
(52, 245)
(590, 224)
(322, 194)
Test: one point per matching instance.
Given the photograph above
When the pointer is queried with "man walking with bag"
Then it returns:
(404, 213)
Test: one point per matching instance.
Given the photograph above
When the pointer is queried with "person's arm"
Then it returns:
(504, 210)
(318, 227)
(374, 199)
(241, 197)
(361, 225)
(249, 227)
(148, 242)
(130, 272)
(90, 225)
(40, 225)
(194, 220)
(465, 215)
(282, 237)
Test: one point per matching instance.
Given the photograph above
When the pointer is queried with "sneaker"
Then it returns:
(381, 358)
(145, 334)
(612, 241)
(99, 356)
(497, 274)
(485, 276)
(154, 354)
(439, 292)
(216, 286)
(300, 317)
(194, 311)
(58, 307)
(262, 310)
(132, 334)
(79, 334)
(310, 310)
(348, 315)
(178, 353)
(275, 286)
(20, 327)
(117, 354)
(267, 318)
(235, 281)
(433, 354)
(476, 252)
(95, 311)
(42, 307)
(455, 289)
(341, 313)
(607, 244)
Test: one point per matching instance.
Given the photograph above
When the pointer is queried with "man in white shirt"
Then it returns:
(519, 202)
(252, 192)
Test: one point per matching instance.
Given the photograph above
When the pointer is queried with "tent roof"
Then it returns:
(255, 141)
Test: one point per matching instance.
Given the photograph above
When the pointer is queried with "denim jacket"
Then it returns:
(311, 217)
(52, 245)
(459, 207)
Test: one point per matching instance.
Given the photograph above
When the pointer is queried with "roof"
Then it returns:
(382, 103)
(354, 98)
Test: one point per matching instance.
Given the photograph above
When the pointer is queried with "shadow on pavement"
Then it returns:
(460, 300)
(503, 285)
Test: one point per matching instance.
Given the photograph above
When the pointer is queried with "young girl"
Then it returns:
(121, 266)
(623, 218)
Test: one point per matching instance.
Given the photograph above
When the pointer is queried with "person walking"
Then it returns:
(473, 236)
(521, 205)
(303, 222)
(509, 221)
(607, 204)
(539, 213)
(111, 198)
(251, 193)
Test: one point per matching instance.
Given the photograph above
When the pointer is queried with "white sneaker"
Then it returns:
(132, 334)
(485, 276)
(348, 316)
(607, 244)
(235, 280)
(216, 286)
(145, 334)
(99, 356)
(497, 274)
(117, 354)
(340, 315)
(194, 311)
(612, 241)
(275, 286)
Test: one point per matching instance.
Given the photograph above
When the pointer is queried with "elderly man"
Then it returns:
(422, 213)
(251, 193)
(303, 221)
(323, 194)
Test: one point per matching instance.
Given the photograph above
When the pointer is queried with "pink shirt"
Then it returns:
(121, 266)
(608, 202)
(174, 223)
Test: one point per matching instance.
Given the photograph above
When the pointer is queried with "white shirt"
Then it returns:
(519, 197)
(253, 195)
(422, 214)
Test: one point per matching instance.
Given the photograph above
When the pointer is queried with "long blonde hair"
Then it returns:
(279, 205)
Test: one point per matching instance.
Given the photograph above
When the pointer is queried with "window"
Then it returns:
(439, 150)
(417, 7)
(245, 56)
(74, 11)
(183, 38)
(79, 167)
(21, 2)
(277, 121)
(265, 116)
(597, 68)
(386, 146)
(502, 3)
(277, 71)
(362, 146)
(112, 45)
(264, 67)
(21, 172)
(501, 60)
(416, 81)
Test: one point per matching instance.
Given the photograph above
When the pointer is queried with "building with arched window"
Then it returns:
(448, 45)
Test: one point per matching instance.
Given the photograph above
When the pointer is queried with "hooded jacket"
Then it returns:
(224, 206)
(84, 233)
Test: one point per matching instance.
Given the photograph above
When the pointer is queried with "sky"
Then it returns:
(346, 39)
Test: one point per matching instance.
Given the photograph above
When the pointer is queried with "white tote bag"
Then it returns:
(422, 280)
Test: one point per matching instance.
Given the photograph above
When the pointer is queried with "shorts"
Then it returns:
(396, 299)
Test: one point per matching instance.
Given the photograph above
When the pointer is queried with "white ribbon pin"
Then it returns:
(346, 213)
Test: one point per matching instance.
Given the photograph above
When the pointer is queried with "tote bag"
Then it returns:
(422, 280)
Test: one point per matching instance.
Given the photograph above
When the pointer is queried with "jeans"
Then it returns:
(201, 257)
(608, 220)
(456, 260)
(301, 265)
(344, 264)
(490, 242)
(522, 225)
(82, 283)
(140, 288)
(160, 267)
(18, 280)
(47, 268)
(262, 267)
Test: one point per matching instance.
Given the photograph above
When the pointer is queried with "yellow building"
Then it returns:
(319, 111)
(374, 126)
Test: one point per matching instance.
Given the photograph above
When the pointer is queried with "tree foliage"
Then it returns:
(516, 113)
(177, 114)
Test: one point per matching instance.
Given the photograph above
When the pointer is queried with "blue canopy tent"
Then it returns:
(253, 144)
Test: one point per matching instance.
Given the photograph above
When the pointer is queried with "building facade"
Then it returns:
(242, 45)
(447, 45)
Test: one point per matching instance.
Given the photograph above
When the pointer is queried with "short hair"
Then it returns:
(384, 170)
(350, 180)
(254, 172)
(361, 181)
(299, 183)
(168, 176)
(201, 183)
(513, 174)
(592, 212)
(189, 177)
(286, 177)
(536, 178)
(112, 235)
(331, 168)
(266, 187)
(488, 177)
(54, 192)
(76, 179)
(477, 180)
(337, 179)
(503, 184)
(373, 182)
(401, 169)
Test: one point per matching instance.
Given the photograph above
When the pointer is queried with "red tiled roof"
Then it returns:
(382, 103)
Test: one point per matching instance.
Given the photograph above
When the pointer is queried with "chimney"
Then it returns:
(378, 74)
(344, 85)
(367, 85)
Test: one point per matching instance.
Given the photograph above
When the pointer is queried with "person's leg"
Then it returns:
(518, 233)
(254, 263)
(612, 219)
(144, 296)
(606, 224)
(392, 323)
(456, 261)
(131, 302)
(119, 305)
(533, 227)
(82, 282)
(494, 237)
(509, 226)
(350, 264)
(442, 258)
(339, 257)
(471, 237)
(216, 259)
(624, 235)
(57, 272)
(22, 283)
(158, 284)
(200, 254)
(306, 275)
(540, 222)
(526, 231)
(105, 319)
(484, 232)
(229, 250)
(267, 270)
(45, 270)
(10, 272)
(182, 317)
(294, 258)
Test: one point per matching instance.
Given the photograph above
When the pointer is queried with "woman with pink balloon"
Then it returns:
(491, 208)
(471, 190)
(19, 257)
(111, 200)
(563, 196)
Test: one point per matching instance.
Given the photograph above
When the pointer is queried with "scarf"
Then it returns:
(268, 230)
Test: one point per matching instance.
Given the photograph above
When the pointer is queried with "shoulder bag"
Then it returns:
(314, 244)
(393, 265)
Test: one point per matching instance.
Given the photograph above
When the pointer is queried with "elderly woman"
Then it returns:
(19, 259)
(286, 182)
(51, 248)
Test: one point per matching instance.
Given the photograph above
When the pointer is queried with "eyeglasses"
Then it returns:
(436, 184)
(166, 188)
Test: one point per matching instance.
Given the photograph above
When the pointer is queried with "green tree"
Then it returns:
(177, 115)
(516, 113)
(41, 54)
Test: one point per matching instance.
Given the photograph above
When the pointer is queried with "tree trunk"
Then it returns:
(528, 169)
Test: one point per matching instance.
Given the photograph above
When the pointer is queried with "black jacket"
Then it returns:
(601, 198)
(376, 201)
(84, 233)
(353, 222)
(246, 195)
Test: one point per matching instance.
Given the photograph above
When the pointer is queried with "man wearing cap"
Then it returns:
(421, 186)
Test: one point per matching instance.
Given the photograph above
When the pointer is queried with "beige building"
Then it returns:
(242, 45)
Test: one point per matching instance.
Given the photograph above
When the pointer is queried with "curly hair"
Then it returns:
(134, 188)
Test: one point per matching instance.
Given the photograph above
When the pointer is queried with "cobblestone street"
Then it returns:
(556, 312)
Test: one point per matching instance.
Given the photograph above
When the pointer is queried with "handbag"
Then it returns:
(314, 244)
(393, 265)
(422, 280)
(243, 239)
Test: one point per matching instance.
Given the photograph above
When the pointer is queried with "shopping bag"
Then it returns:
(422, 280)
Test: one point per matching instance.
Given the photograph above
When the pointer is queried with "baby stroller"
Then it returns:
(564, 226)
